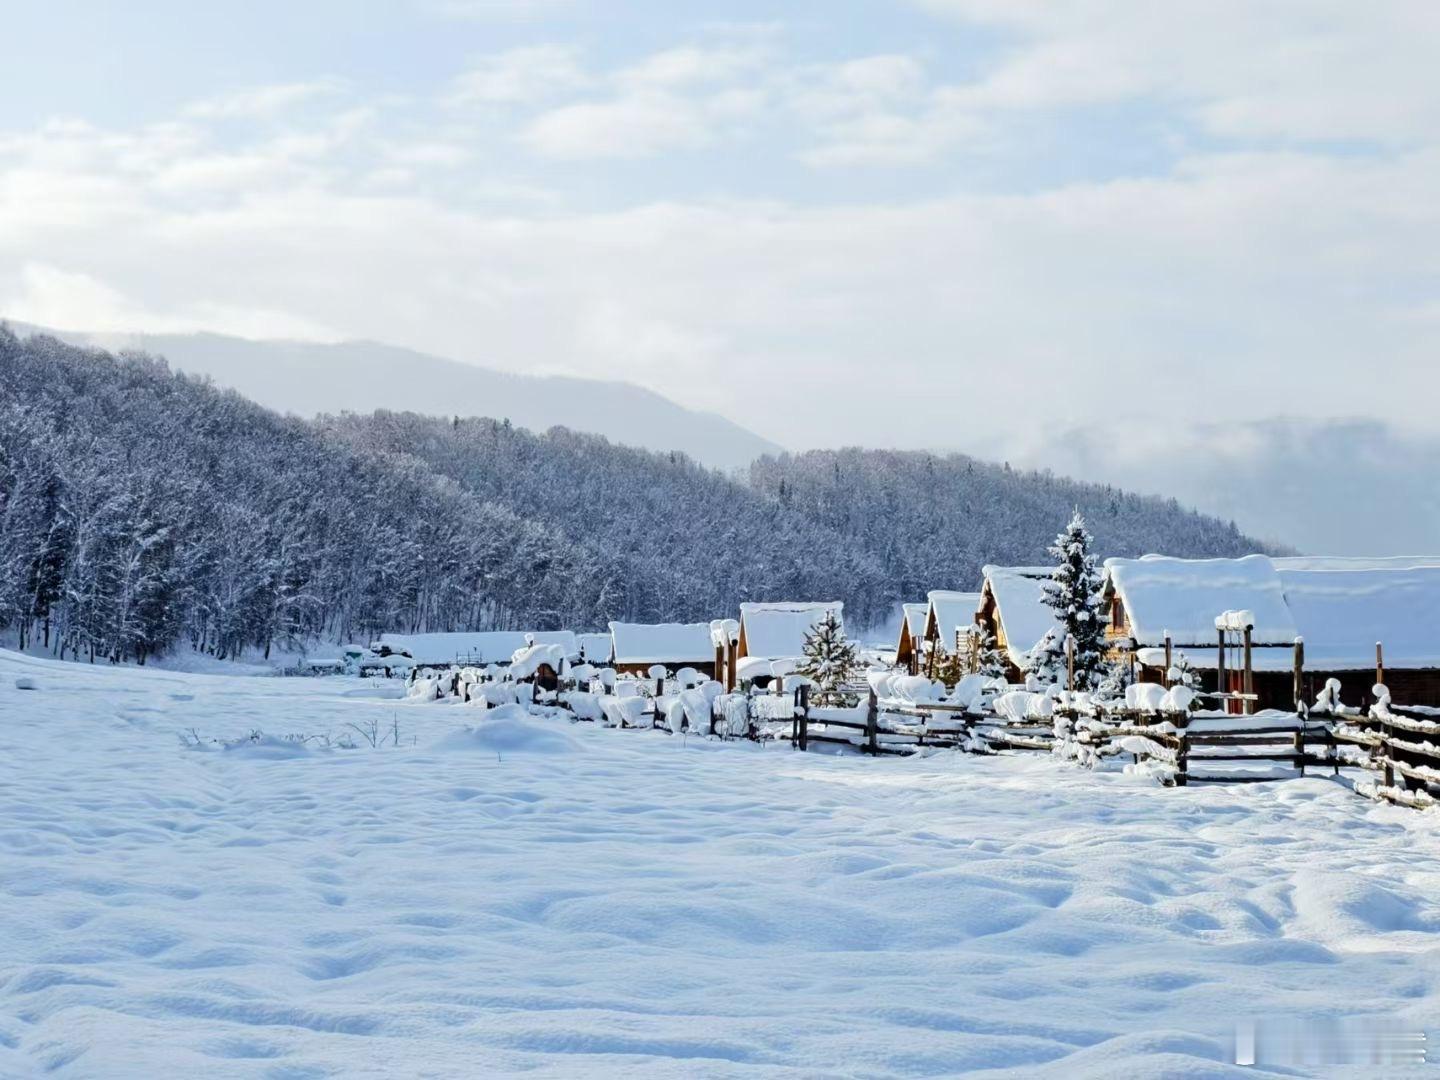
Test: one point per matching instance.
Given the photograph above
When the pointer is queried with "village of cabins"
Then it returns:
(1307, 620)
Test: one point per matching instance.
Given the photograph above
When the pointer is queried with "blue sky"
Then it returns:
(904, 213)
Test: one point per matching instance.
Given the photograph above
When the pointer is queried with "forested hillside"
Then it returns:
(933, 521)
(141, 509)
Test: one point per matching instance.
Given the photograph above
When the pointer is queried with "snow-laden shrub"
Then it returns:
(731, 713)
(626, 711)
(585, 706)
(494, 694)
(424, 690)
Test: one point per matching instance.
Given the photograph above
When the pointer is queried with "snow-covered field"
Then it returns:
(566, 900)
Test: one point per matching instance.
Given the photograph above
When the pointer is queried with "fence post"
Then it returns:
(1222, 681)
(1070, 662)
(872, 724)
(804, 700)
(1299, 674)
(1249, 681)
(1169, 659)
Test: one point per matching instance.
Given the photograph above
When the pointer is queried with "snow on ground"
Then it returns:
(568, 900)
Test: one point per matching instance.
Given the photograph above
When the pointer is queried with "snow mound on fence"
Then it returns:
(510, 729)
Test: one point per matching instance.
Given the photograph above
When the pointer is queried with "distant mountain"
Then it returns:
(1324, 486)
(361, 376)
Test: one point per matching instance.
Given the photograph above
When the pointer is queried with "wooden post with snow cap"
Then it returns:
(872, 724)
(732, 651)
(1379, 664)
(1169, 658)
(1249, 682)
(1070, 662)
(1222, 683)
(1300, 675)
(802, 698)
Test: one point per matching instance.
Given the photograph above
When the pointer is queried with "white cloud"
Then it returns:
(628, 127)
(677, 98)
(1325, 70)
(262, 100)
(525, 75)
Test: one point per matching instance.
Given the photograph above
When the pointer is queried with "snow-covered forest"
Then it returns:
(141, 509)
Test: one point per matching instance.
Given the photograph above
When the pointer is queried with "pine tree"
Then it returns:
(989, 660)
(1073, 594)
(951, 667)
(831, 659)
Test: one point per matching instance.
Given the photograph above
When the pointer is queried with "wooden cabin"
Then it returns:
(1343, 607)
(912, 634)
(775, 632)
(637, 647)
(1012, 610)
(949, 620)
(1157, 599)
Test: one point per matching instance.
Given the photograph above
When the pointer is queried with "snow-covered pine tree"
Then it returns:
(1073, 593)
(989, 660)
(1046, 661)
(951, 666)
(830, 659)
(1114, 678)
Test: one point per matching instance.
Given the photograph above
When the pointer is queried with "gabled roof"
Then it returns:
(912, 616)
(1183, 597)
(1019, 600)
(482, 647)
(778, 630)
(948, 611)
(662, 643)
(594, 648)
(1344, 607)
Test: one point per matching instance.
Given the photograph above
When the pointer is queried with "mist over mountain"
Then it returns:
(308, 378)
(1324, 486)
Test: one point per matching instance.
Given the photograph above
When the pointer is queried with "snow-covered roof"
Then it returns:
(594, 648)
(913, 616)
(1183, 597)
(778, 630)
(481, 647)
(1342, 613)
(662, 643)
(952, 611)
(1355, 562)
(1020, 599)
